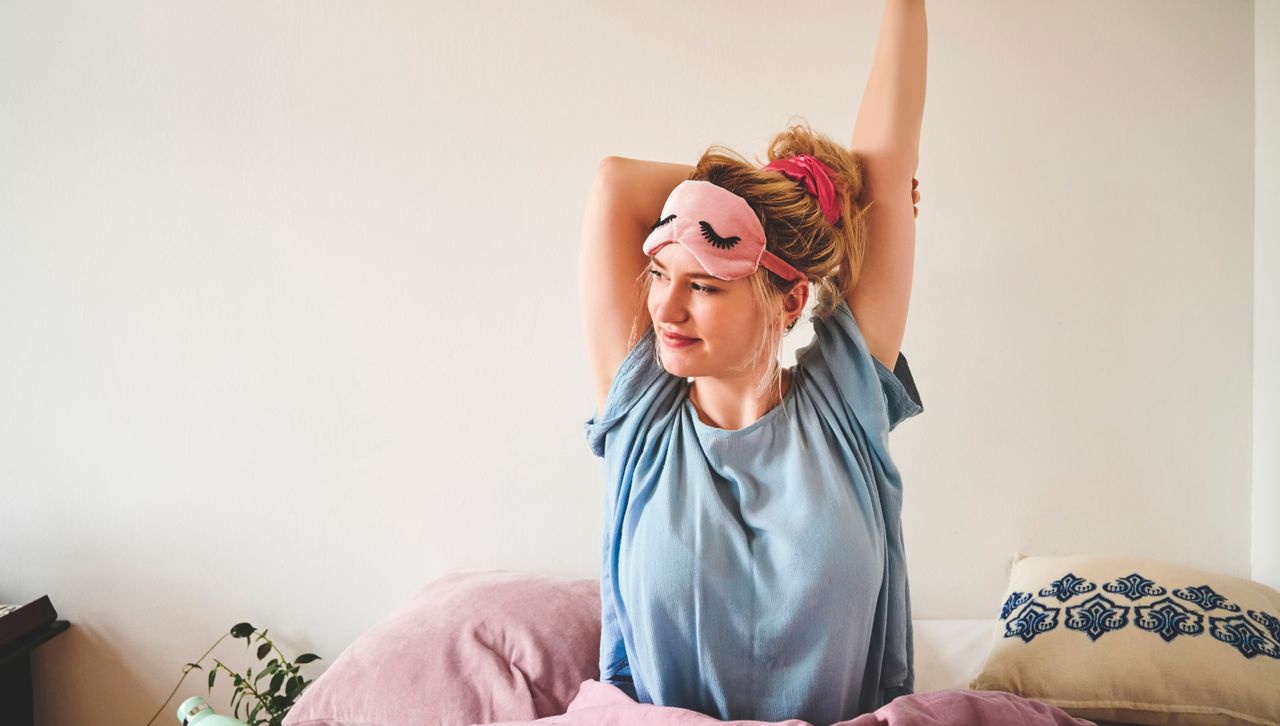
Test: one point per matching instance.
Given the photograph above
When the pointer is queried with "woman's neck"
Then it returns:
(733, 404)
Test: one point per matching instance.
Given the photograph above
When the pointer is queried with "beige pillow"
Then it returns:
(1138, 640)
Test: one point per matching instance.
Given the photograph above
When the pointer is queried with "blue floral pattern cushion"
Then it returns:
(1136, 639)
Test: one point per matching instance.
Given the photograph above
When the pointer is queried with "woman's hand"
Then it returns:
(915, 197)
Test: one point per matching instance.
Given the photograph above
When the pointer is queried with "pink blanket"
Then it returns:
(600, 704)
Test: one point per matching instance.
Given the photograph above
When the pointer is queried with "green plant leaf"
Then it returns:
(242, 630)
(272, 667)
(276, 680)
(254, 711)
(212, 674)
(306, 658)
(294, 686)
(193, 665)
(263, 650)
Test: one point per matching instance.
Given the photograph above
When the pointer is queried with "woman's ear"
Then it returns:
(797, 297)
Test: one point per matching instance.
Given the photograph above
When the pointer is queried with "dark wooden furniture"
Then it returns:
(16, 706)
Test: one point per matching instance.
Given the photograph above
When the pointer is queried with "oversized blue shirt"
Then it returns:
(758, 573)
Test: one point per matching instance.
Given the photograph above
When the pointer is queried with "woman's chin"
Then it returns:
(676, 367)
(675, 370)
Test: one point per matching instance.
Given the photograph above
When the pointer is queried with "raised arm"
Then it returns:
(626, 197)
(886, 139)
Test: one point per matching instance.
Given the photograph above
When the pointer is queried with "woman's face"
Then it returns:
(721, 314)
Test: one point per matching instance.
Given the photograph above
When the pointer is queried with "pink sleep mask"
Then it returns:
(719, 228)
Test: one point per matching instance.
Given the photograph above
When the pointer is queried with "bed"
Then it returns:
(1079, 639)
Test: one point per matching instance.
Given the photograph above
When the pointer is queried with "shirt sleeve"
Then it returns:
(879, 397)
(638, 379)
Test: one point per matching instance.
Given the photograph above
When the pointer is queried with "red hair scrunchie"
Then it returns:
(817, 181)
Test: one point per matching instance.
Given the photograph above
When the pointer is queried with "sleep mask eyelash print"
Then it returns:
(719, 228)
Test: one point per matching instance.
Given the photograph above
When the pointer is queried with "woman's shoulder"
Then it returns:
(838, 362)
(640, 385)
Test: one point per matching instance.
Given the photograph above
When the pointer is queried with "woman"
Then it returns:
(753, 561)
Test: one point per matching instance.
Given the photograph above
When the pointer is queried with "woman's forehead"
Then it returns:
(676, 258)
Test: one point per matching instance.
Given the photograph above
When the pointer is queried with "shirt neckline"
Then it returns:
(762, 421)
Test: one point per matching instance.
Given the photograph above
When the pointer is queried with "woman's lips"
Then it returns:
(677, 341)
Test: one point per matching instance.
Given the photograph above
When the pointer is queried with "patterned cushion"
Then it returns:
(1138, 640)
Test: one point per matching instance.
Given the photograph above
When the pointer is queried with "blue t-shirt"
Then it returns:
(758, 573)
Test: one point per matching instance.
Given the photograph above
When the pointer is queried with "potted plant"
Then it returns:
(271, 700)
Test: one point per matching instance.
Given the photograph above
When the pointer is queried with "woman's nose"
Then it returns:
(670, 307)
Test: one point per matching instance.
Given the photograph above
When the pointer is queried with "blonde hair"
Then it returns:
(829, 255)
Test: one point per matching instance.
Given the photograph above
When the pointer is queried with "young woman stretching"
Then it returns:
(753, 563)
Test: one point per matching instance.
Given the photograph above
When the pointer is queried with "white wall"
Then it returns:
(1266, 296)
(288, 300)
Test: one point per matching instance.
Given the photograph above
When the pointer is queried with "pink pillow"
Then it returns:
(473, 646)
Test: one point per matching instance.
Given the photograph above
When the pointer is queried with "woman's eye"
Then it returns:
(694, 285)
